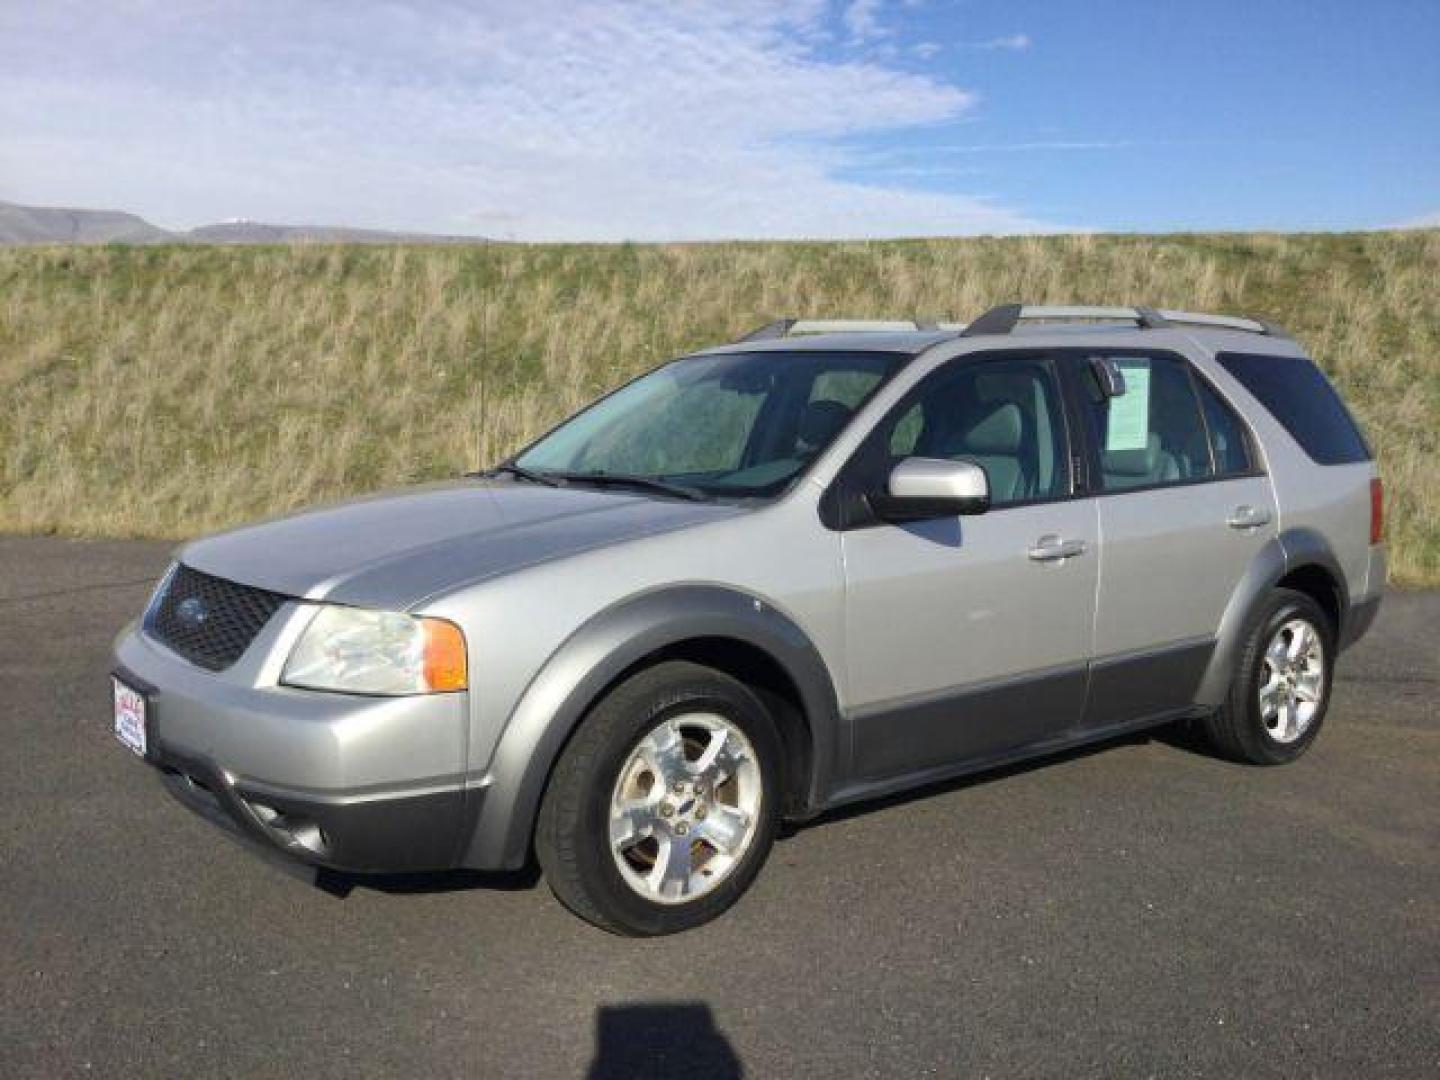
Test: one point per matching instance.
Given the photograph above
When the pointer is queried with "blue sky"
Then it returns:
(564, 119)
(1285, 114)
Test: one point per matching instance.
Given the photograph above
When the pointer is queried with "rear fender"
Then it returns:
(1288, 551)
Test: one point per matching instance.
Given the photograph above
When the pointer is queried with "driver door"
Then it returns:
(969, 637)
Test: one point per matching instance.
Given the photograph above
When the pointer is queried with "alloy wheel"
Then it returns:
(1292, 681)
(685, 807)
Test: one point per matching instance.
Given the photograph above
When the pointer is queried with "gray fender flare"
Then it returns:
(600, 651)
(1290, 550)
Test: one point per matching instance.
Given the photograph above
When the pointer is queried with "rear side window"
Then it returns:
(1228, 441)
(1304, 402)
(1152, 433)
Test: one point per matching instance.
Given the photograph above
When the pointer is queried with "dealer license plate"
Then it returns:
(130, 718)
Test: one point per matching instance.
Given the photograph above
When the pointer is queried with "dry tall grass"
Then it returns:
(168, 391)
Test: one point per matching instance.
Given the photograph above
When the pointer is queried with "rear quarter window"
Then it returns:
(1300, 397)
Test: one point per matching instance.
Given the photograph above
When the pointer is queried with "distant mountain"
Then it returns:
(258, 232)
(58, 225)
(54, 225)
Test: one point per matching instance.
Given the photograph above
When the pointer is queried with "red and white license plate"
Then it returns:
(130, 718)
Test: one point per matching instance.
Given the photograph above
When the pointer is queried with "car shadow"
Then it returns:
(943, 532)
(341, 884)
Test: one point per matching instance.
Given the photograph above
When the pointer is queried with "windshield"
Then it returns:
(730, 424)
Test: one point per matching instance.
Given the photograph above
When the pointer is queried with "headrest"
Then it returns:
(996, 432)
(1141, 461)
(821, 421)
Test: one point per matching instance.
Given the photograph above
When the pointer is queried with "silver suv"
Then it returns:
(818, 565)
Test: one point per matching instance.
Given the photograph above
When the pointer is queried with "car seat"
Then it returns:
(991, 436)
(1142, 465)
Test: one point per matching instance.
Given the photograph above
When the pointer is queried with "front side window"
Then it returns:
(1002, 414)
(1153, 432)
(743, 424)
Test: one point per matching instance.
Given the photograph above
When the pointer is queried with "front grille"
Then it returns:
(208, 620)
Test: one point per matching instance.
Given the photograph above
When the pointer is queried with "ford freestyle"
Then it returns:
(818, 565)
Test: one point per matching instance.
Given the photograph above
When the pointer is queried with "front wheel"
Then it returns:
(1281, 688)
(664, 805)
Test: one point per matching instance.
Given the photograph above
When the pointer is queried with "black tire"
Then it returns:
(1237, 730)
(572, 832)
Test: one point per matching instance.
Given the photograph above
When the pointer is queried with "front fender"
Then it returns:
(597, 654)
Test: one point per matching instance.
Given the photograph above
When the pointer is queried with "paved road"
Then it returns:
(1137, 910)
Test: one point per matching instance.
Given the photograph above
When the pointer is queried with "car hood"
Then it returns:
(395, 549)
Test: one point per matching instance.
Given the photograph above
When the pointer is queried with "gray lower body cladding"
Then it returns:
(1029, 714)
(387, 835)
(1358, 620)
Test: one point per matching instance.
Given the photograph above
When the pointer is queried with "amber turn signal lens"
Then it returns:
(445, 667)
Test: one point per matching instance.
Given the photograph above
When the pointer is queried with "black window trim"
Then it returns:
(1075, 369)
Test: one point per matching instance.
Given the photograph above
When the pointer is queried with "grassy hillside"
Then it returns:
(167, 391)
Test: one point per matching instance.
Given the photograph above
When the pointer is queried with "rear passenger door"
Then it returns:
(1183, 510)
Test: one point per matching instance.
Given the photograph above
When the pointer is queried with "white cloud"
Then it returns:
(862, 19)
(1008, 43)
(1024, 147)
(538, 120)
(926, 50)
(1424, 221)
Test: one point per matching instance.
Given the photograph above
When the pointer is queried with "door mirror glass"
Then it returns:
(923, 488)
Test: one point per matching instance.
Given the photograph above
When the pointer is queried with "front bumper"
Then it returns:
(373, 835)
(354, 783)
(385, 835)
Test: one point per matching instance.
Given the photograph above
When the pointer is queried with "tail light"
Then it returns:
(1377, 511)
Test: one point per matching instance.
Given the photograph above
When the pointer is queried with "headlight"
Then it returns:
(161, 587)
(377, 652)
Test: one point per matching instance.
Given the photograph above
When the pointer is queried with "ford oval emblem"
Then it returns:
(192, 611)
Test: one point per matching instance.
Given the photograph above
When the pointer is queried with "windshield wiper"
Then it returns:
(649, 483)
(522, 473)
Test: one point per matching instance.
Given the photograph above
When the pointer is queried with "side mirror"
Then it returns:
(924, 488)
(1108, 377)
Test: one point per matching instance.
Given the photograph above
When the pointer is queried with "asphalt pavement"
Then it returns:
(1140, 909)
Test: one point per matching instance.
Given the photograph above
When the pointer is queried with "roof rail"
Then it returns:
(1006, 317)
(782, 328)
(1223, 322)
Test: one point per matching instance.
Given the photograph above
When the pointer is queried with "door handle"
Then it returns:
(1247, 517)
(1051, 547)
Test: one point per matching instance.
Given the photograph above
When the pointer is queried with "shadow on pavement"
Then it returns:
(661, 1040)
(341, 885)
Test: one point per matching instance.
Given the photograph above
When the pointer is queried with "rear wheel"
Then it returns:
(664, 805)
(1281, 688)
